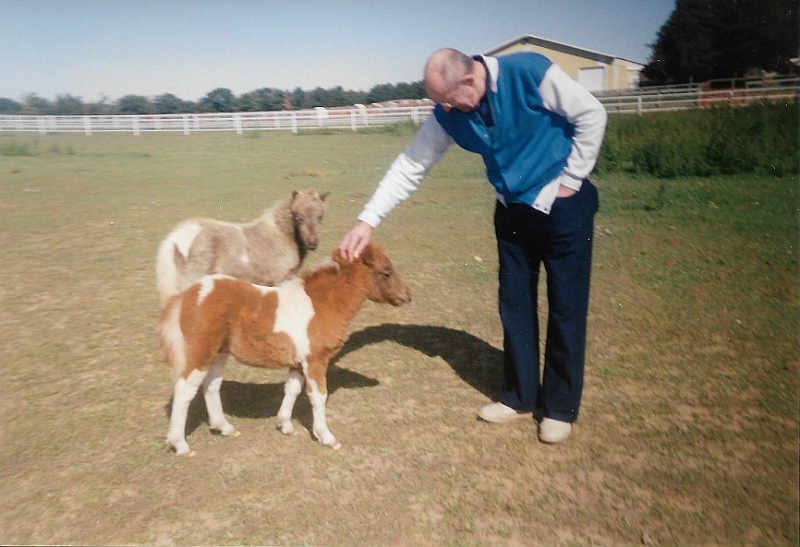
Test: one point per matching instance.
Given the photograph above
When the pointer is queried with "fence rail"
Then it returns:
(644, 100)
(320, 118)
(638, 101)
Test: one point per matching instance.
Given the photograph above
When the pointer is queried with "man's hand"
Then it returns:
(566, 192)
(355, 241)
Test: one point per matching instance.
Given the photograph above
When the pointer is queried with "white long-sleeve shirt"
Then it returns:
(560, 94)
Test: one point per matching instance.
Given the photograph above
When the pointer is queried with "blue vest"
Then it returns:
(527, 146)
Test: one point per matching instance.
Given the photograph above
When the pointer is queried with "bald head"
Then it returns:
(445, 69)
(455, 80)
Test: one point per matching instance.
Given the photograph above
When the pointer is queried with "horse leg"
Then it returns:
(185, 390)
(211, 386)
(292, 388)
(317, 389)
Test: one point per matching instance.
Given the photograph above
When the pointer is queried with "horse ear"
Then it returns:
(294, 194)
(368, 256)
(338, 258)
(324, 196)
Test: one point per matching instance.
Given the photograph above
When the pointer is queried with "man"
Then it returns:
(539, 134)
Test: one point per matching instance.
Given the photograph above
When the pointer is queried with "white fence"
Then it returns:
(320, 118)
(638, 101)
(687, 97)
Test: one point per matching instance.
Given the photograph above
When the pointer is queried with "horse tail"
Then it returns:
(173, 253)
(170, 336)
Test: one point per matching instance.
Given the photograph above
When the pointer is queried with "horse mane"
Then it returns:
(280, 213)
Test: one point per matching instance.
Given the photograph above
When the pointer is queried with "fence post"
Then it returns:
(353, 120)
(237, 122)
(185, 124)
(294, 122)
(87, 126)
(42, 126)
(136, 126)
(639, 104)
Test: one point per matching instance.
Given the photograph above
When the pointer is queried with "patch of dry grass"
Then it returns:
(688, 434)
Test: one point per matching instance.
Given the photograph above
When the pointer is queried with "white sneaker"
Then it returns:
(553, 431)
(498, 413)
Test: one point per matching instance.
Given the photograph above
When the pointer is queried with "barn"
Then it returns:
(597, 72)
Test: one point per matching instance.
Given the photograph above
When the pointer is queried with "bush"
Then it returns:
(14, 148)
(760, 139)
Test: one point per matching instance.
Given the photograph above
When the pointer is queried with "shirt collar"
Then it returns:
(492, 66)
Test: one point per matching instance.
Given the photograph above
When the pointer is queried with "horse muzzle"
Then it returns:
(402, 298)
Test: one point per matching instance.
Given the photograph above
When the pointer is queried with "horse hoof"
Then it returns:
(180, 449)
(333, 443)
(227, 430)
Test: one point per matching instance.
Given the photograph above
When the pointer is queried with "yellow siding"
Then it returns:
(569, 63)
(623, 74)
(618, 75)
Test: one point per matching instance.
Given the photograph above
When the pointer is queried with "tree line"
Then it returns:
(218, 100)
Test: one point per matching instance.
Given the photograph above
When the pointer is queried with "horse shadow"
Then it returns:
(476, 362)
(259, 401)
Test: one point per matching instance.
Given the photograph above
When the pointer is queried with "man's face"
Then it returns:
(464, 97)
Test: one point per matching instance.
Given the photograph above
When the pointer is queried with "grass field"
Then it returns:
(689, 428)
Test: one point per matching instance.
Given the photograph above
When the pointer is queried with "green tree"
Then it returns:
(135, 104)
(712, 39)
(219, 100)
(7, 106)
(101, 107)
(262, 100)
(319, 97)
(381, 93)
(68, 105)
(337, 97)
(170, 104)
(298, 100)
(34, 104)
(414, 90)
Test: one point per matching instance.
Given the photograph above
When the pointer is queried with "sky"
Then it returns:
(104, 49)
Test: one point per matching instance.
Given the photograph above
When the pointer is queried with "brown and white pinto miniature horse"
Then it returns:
(298, 325)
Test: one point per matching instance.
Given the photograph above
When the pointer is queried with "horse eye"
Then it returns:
(387, 275)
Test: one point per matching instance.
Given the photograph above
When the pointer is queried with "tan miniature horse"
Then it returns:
(266, 251)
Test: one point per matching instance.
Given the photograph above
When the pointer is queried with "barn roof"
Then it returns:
(557, 46)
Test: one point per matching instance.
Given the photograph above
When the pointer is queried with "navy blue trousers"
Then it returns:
(562, 242)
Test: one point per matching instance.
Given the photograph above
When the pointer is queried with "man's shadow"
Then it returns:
(477, 363)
